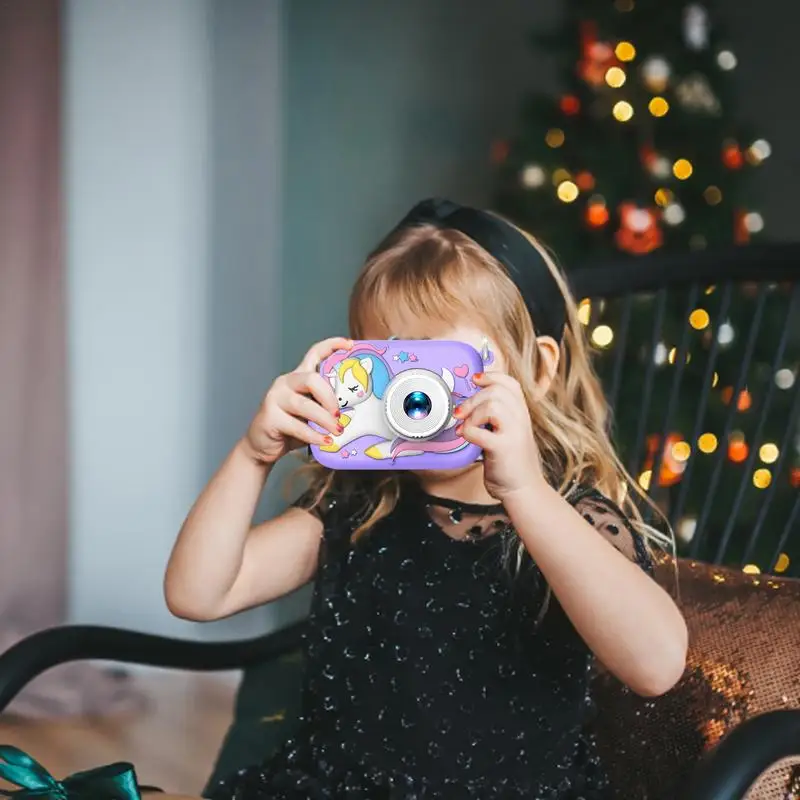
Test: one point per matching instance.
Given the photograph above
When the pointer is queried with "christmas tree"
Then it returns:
(641, 151)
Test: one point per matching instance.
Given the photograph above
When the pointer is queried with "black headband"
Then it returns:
(523, 262)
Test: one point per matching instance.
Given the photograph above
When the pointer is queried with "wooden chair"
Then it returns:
(732, 725)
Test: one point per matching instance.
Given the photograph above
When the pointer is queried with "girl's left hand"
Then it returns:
(510, 455)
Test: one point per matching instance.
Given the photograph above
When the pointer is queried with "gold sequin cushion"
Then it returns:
(744, 659)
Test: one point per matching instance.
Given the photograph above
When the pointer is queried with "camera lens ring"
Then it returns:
(427, 383)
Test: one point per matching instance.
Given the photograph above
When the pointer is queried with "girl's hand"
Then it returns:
(281, 424)
(510, 454)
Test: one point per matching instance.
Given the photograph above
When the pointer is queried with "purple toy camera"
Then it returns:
(397, 400)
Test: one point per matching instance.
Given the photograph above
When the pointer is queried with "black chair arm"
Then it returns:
(732, 767)
(37, 653)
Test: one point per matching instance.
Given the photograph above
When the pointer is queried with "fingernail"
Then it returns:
(459, 428)
(337, 413)
(329, 440)
(457, 412)
(477, 376)
(339, 429)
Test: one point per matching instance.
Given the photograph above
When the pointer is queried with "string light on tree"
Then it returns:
(663, 197)
(674, 214)
(699, 319)
(656, 73)
(672, 356)
(695, 26)
(737, 447)
(602, 336)
(596, 212)
(769, 452)
(687, 527)
(533, 176)
(625, 51)
(726, 334)
(754, 222)
(762, 478)
(570, 105)
(554, 137)
(567, 192)
(712, 195)
(660, 354)
(682, 169)
(616, 77)
(732, 156)
(622, 111)
(782, 564)
(658, 106)
(707, 443)
(758, 151)
(726, 60)
(751, 569)
(681, 451)
(585, 311)
(784, 379)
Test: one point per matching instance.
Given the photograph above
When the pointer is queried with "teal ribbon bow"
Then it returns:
(112, 782)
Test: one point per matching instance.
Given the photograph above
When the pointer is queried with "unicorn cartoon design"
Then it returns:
(359, 381)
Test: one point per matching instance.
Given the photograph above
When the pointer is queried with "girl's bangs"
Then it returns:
(448, 289)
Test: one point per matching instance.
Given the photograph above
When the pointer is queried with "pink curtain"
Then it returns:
(33, 433)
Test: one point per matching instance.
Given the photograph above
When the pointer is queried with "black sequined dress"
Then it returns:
(432, 673)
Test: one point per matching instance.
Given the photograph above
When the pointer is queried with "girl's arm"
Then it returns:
(625, 617)
(220, 564)
(629, 622)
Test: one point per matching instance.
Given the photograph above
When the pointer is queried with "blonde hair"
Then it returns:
(443, 274)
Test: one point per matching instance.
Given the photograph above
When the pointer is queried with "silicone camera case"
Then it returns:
(396, 400)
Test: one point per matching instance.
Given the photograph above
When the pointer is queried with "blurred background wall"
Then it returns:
(228, 166)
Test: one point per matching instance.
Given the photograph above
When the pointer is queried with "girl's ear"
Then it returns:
(549, 356)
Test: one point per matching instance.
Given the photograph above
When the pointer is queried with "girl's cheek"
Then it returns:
(359, 394)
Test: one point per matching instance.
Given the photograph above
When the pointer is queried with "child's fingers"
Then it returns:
(293, 428)
(495, 378)
(298, 405)
(466, 407)
(314, 384)
(321, 350)
(476, 435)
(490, 412)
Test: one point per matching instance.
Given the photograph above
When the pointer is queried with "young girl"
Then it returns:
(457, 613)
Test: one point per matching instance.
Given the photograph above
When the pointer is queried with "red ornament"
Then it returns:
(732, 156)
(584, 181)
(570, 105)
(741, 235)
(794, 477)
(499, 151)
(596, 57)
(596, 214)
(638, 231)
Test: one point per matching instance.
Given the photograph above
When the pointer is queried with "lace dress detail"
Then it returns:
(431, 672)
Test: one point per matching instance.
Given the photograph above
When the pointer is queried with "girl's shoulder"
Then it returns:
(605, 516)
(339, 509)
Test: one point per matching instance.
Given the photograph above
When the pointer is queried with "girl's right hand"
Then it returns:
(281, 424)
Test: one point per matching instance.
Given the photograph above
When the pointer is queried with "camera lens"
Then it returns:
(417, 405)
